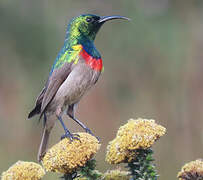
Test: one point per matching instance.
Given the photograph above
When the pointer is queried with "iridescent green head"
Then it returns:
(86, 26)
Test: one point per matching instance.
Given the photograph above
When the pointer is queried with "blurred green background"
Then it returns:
(153, 69)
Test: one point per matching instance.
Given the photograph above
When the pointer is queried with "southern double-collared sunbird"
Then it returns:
(76, 69)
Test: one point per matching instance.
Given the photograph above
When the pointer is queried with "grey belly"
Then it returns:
(79, 81)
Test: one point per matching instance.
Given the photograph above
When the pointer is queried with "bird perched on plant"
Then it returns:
(76, 69)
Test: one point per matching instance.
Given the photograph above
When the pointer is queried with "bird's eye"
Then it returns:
(89, 19)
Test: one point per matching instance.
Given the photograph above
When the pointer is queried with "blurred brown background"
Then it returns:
(153, 69)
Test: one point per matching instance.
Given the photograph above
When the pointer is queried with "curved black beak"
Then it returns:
(107, 18)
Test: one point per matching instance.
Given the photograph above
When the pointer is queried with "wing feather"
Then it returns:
(60, 71)
(57, 77)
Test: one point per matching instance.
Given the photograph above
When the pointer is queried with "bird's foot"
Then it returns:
(70, 136)
(90, 132)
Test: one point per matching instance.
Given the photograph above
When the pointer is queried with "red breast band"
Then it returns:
(94, 63)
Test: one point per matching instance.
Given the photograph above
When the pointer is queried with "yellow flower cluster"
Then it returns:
(67, 156)
(136, 134)
(192, 170)
(24, 171)
(116, 175)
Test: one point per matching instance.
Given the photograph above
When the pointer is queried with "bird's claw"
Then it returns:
(98, 139)
(76, 135)
(90, 132)
(70, 136)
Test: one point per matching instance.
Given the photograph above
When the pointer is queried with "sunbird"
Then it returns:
(76, 69)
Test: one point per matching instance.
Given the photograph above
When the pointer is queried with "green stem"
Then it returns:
(89, 172)
(69, 176)
(142, 167)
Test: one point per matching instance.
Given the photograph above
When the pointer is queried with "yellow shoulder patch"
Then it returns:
(77, 47)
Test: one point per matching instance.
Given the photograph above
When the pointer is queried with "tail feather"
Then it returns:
(35, 111)
(43, 145)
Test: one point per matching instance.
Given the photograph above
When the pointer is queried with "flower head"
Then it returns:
(192, 170)
(67, 156)
(24, 170)
(116, 175)
(136, 134)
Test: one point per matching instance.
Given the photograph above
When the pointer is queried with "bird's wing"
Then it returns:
(60, 71)
(38, 103)
(56, 79)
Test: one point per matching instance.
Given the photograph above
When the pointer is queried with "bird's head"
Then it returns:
(86, 26)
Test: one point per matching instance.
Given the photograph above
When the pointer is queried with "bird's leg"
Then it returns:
(70, 113)
(67, 132)
(84, 127)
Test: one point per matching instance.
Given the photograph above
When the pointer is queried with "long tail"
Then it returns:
(43, 145)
